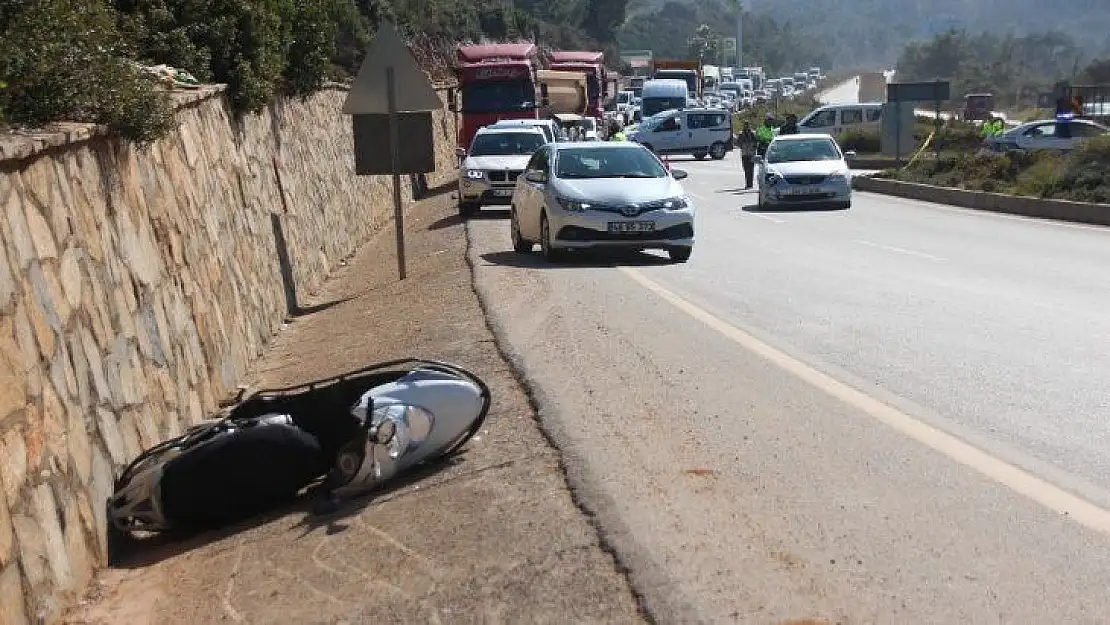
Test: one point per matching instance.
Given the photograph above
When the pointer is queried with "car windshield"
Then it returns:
(506, 143)
(802, 150)
(607, 162)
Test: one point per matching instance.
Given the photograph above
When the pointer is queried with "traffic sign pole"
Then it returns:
(395, 156)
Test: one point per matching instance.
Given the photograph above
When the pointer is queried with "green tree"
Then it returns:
(65, 60)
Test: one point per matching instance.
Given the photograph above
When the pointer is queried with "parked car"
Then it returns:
(600, 194)
(805, 170)
(699, 132)
(1045, 135)
(489, 169)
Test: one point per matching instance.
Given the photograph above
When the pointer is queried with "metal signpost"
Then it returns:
(392, 97)
(900, 93)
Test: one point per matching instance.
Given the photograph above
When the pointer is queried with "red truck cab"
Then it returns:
(497, 81)
(593, 65)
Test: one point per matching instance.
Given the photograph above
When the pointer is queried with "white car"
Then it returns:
(600, 195)
(489, 169)
(805, 170)
(1045, 135)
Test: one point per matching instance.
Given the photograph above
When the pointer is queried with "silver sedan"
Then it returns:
(805, 170)
(601, 195)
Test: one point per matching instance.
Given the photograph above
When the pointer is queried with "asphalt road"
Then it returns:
(896, 413)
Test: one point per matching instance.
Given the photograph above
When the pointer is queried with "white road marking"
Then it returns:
(1018, 480)
(899, 250)
(767, 217)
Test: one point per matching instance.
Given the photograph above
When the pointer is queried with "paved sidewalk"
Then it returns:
(494, 538)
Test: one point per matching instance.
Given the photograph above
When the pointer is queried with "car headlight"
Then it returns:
(574, 206)
(475, 174)
(771, 178)
(674, 204)
(838, 178)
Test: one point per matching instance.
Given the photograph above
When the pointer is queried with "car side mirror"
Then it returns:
(460, 152)
(679, 174)
(536, 176)
(850, 155)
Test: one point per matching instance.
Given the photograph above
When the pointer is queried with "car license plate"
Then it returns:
(631, 226)
(805, 190)
(502, 193)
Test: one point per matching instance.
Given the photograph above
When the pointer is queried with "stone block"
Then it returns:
(75, 543)
(21, 241)
(13, 386)
(41, 236)
(96, 366)
(45, 510)
(70, 275)
(81, 372)
(79, 444)
(111, 437)
(12, 608)
(53, 425)
(40, 310)
(7, 534)
(7, 282)
(13, 465)
(103, 478)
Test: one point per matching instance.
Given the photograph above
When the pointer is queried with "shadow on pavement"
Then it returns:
(576, 259)
(127, 552)
(754, 208)
(454, 220)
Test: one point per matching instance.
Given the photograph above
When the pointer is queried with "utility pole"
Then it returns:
(739, 33)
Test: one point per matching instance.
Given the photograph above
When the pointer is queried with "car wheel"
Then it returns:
(717, 151)
(468, 209)
(680, 254)
(520, 244)
(550, 253)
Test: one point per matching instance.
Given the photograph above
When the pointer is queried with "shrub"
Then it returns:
(63, 60)
(861, 142)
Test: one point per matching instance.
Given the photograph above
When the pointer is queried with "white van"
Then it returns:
(663, 95)
(835, 119)
(698, 131)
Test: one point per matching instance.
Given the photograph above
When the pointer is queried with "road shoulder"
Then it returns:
(493, 537)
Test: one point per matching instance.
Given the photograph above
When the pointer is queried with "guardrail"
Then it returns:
(1060, 210)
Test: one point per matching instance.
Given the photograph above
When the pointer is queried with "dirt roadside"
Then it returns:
(494, 538)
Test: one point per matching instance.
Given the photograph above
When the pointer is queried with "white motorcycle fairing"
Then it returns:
(419, 417)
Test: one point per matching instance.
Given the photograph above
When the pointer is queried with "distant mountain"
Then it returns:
(875, 31)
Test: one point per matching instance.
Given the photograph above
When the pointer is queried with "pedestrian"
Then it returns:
(765, 134)
(791, 125)
(748, 143)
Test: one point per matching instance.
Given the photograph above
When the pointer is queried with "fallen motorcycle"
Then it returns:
(345, 435)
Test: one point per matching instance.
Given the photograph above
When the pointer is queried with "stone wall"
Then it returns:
(137, 286)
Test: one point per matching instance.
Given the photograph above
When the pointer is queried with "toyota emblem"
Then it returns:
(630, 210)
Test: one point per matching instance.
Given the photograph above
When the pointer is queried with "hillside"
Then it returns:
(864, 32)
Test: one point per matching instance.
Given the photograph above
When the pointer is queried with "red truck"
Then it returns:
(497, 81)
(593, 65)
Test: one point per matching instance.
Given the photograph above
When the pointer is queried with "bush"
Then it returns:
(861, 142)
(63, 60)
(1081, 175)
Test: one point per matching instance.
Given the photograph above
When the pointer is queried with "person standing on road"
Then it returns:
(748, 143)
(765, 134)
(791, 125)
